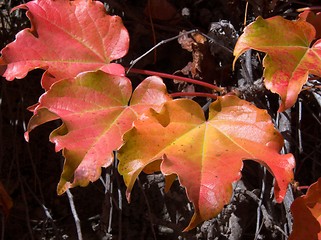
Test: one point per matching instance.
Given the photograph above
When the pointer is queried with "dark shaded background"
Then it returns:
(30, 171)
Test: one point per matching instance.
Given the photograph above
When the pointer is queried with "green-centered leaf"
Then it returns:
(66, 38)
(289, 57)
(206, 155)
(95, 115)
(306, 211)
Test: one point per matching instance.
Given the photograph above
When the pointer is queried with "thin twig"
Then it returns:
(152, 26)
(287, 202)
(307, 107)
(207, 105)
(45, 209)
(318, 99)
(248, 64)
(258, 231)
(283, 122)
(267, 217)
(109, 190)
(299, 126)
(258, 228)
(133, 62)
(34, 168)
(108, 185)
(212, 40)
(22, 185)
(148, 207)
(312, 8)
(245, 13)
(27, 208)
(120, 198)
(247, 75)
(74, 213)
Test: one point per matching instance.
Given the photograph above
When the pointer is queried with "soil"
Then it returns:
(30, 171)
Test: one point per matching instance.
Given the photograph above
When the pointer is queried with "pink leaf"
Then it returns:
(66, 38)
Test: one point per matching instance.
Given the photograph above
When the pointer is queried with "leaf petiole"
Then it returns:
(179, 78)
(193, 94)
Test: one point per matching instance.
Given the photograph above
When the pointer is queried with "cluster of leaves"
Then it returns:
(76, 42)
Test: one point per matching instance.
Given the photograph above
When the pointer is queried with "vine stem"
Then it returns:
(179, 78)
(302, 188)
(193, 94)
(312, 8)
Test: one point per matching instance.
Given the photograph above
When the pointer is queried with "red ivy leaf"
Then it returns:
(66, 38)
(95, 115)
(306, 211)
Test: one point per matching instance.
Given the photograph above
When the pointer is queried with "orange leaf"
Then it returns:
(66, 38)
(289, 58)
(306, 211)
(206, 155)
(314, 19)
(95, 115)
